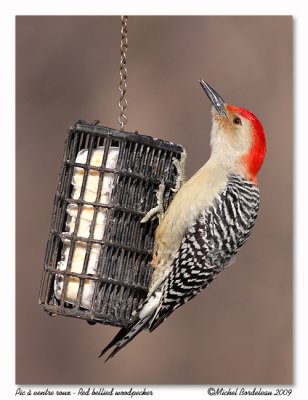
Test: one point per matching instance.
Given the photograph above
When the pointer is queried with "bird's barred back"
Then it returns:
(210, 244)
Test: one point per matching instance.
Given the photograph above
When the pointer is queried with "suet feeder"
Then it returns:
(97, 258)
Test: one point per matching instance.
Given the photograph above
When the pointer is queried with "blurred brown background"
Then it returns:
(239, 331)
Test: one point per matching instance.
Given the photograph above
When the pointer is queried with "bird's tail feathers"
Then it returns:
(120, 335)
(146, 311)
(124, 336)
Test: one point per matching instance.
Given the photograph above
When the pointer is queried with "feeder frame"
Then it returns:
(123, 273)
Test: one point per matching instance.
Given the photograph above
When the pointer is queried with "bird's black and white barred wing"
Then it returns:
(209, 245)
(189, 275)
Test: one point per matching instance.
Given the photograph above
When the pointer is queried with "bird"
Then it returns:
(210, 217)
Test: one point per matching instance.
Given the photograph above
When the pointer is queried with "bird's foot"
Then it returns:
(180, 169)
(159, 209)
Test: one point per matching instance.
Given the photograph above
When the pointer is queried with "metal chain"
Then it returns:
(123, 73)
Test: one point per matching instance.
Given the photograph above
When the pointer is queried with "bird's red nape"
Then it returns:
(255, 157)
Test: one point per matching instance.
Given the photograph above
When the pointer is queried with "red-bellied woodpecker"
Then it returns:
(209, 219)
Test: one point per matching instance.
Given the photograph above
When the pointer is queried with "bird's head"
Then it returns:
(237, 137)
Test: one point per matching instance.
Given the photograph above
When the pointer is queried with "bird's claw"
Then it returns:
(180, 169)
(159, 209)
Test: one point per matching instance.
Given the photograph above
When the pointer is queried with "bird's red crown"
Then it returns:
(255, 157)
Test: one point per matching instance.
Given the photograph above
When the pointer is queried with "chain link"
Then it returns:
(123, 73)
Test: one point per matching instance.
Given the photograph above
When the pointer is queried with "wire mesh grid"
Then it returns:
(97, 258)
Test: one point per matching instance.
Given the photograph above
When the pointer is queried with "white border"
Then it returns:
(158, 7)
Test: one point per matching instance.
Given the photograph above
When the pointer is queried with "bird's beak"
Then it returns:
(214, 97)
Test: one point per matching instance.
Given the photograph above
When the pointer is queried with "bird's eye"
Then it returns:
(237, 121)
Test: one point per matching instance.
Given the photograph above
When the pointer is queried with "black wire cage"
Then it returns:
(98, 252)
